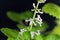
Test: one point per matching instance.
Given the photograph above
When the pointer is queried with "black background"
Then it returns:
(19, 6)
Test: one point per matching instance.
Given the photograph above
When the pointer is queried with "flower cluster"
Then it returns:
(38, 20)
(32, 33)
(35, 33)
(38, 10)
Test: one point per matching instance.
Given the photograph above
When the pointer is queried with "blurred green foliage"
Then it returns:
(19, 16)
(52, 37)
(52, 9)
(49, 8)
(10, 32)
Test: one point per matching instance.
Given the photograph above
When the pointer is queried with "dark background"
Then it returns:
(19, 6)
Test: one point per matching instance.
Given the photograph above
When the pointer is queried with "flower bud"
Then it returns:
(41, 1)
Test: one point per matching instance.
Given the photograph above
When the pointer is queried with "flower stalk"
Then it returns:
(35, 10)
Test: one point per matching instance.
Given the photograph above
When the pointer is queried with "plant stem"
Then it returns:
(34, 15)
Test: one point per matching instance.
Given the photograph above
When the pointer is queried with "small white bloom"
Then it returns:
(40, 23)
(38, 32)
(39, 20)
(38, 16)
(32, 9)
(23, 30)
(38, 10)
(26, 20)
(32, 35)
(42, 1)
(31, 20)
(34, 5)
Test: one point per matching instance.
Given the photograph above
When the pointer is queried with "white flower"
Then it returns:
(38, 10)
(34, 5)
(31, 20)
(32, 35)
(41, 1)
(39, 20)
(23, 30)
(38, 32)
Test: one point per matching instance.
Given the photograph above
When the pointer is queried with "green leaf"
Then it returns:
(19, 16)
(9, 38)
(56, 30)
(57, 22)
(27, 35)
(20, 26)
(19, 37)
(9, 32)
(13, 16)
(52, 9)
(52, 37)
(24, 36)
(58, 38)
(38, 37)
